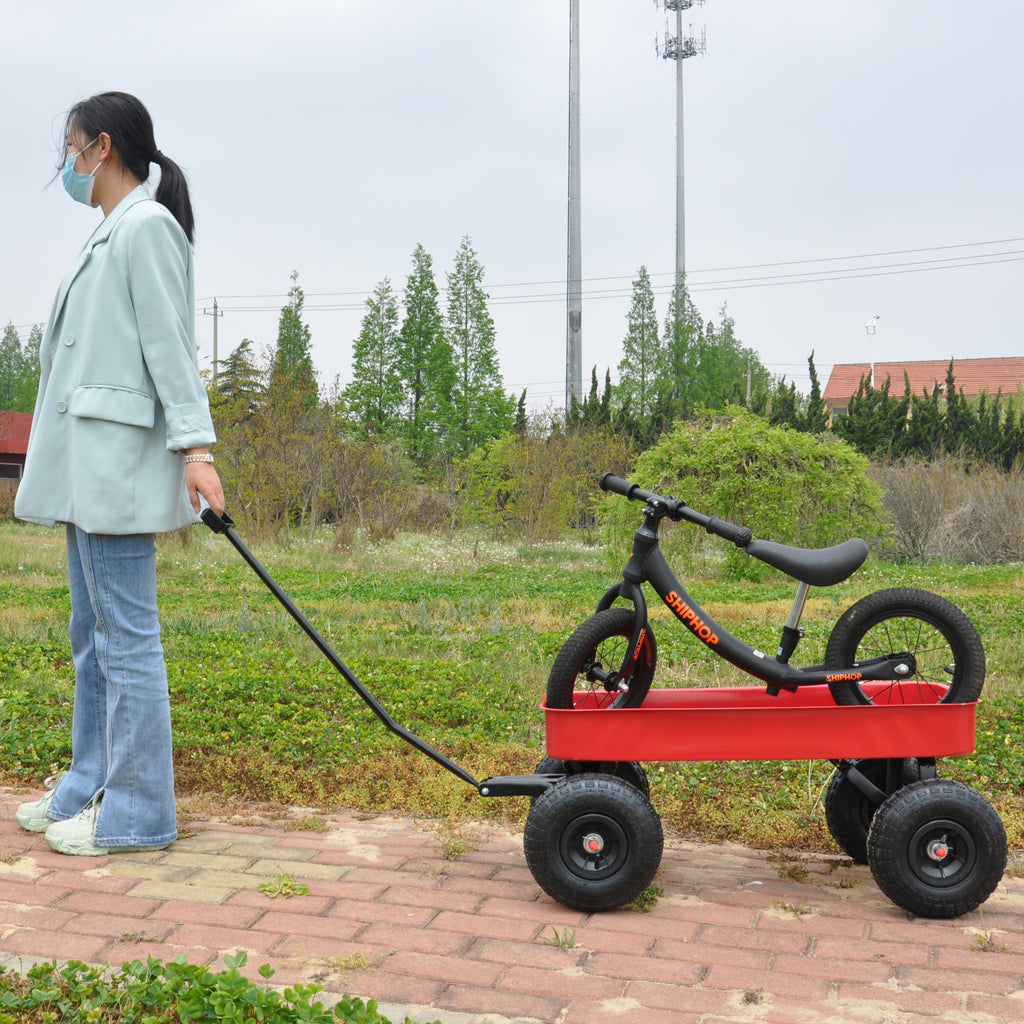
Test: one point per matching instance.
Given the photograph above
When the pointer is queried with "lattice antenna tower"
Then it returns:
(678, 47)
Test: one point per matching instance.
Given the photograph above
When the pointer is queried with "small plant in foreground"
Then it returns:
(647, 900)
(801, 909)
(166, 993)
(985, 942)
(285, 886)
(564, 939)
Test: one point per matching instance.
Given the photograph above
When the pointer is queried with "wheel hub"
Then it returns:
(938, 850)
(593, 843)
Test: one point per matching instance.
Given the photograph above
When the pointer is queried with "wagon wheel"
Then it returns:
(937, 848)
(593, 842)
(848, 810)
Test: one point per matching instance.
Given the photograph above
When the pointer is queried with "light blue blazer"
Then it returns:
(119, 388)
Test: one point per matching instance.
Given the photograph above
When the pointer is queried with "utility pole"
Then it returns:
(678, 48)
(871, 328)
(574, 286)
(216, 314)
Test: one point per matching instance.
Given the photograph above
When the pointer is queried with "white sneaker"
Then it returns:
(32, 817)
(77, 836)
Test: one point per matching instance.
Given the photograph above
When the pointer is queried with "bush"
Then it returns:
(791, 487)
(952, 510)
(538, 484)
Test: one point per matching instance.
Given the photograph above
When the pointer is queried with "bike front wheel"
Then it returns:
(943, 646)
(589, 668)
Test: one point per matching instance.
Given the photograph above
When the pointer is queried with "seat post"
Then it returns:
(791, 631)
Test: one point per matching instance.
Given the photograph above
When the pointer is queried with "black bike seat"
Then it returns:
(820, 567)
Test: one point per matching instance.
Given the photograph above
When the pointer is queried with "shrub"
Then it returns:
(953, 510)
(791, 487)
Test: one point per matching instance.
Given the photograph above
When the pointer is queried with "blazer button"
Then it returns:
(62, 407)
(69, 340)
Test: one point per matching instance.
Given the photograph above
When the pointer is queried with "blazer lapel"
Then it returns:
(98, 237)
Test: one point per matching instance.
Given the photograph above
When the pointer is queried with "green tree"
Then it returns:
(815, 417)
(376, 395)
(876, 422)
(12, 369)
(641, 366)
(683, 345)
(240, 385)
(480, 409)
(425, 364)
(925, 433)
(293, 359)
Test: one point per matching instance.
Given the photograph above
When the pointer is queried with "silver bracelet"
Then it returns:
(202, 457)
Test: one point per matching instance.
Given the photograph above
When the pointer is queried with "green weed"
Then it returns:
(285, 886)
(166, 993)
(564, 939)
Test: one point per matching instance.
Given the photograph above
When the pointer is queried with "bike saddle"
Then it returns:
(820, 567)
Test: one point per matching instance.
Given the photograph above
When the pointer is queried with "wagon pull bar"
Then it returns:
(224, 524)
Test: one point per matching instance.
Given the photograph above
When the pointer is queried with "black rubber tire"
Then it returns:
(917, 824)
(593, 842)
(603, 641)
(631, 772)
(848, 811)
(949, 656)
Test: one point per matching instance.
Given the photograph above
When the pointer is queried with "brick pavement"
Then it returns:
(738, 936)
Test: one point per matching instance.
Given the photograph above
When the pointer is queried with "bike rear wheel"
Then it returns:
(946, 651)
(588, 668)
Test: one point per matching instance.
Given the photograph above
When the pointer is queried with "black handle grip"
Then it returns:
(611, 482)
(741, 536)
(217, 523)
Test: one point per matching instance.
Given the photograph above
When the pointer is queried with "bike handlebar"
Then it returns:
(677, 509)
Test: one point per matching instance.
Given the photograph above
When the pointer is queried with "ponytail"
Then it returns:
(130, 128)
(173, 193)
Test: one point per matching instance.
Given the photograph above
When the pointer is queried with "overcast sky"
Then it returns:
(842, 161)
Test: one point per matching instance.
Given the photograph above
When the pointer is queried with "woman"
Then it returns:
(119, 451)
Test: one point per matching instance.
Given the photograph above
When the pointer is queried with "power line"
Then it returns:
(757, 281)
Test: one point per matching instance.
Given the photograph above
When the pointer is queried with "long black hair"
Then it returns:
(130, 128)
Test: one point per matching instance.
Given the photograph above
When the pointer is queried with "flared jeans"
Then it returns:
(121, 723)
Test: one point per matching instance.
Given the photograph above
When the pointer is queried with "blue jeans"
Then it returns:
(121, 724)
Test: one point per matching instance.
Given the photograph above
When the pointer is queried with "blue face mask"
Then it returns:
(79, 186)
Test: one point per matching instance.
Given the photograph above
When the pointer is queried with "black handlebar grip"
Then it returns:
(741, 536)
(611, 482)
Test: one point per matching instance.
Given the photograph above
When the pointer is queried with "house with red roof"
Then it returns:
(14, 428)
(973, 377)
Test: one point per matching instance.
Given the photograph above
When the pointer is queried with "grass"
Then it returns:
(455, 637)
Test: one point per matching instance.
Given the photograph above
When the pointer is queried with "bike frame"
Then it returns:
(647, 564)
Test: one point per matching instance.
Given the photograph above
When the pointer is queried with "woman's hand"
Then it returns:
(202, 479)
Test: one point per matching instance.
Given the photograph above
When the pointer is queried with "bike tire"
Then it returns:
(949, 655)
(602, 643)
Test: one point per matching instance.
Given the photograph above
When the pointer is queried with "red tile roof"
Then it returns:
(972, 377)
(14, 428)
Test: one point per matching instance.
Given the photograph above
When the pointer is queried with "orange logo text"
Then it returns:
(690, 619)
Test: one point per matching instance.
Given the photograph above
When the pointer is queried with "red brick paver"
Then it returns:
(473, 940)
